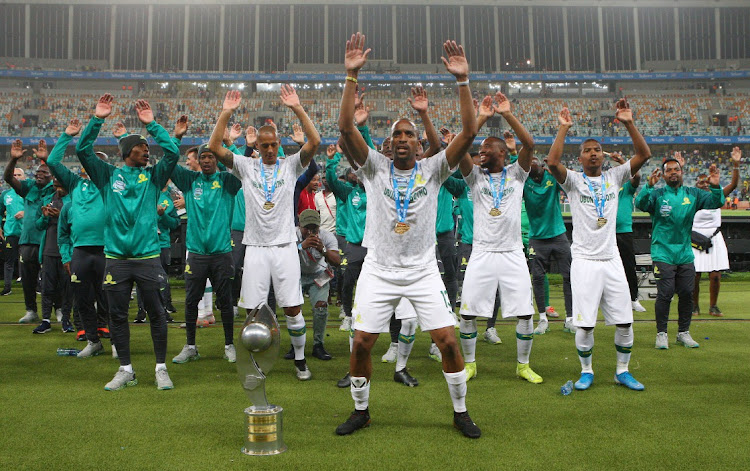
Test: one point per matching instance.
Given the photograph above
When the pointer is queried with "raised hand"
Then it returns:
(456, 62)
(359, 97)
(297, 135)
(74, 127)
(361, 114)
(623, 112)
(41, 151)
(419, 100)
(510, 142)
(235, 131)
(736, 155)
(356, 55)
(232, 100)
(678, 157)
(713, 175)
(564, 118)
(617, 157)
(118, 130)
(289, 96)
(145, 113)
(180, 127)
(331, 151)
(104, 106)
(446, 135)
(485, 108)
(654, 178)
(17, 150)
(502, 105)
(251, 136)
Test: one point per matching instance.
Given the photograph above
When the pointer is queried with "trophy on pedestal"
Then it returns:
(260, 341)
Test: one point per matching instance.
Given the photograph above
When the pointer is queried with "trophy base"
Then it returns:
(264, 431)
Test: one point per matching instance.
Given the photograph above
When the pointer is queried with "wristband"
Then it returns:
(352, 79)
(466, 82)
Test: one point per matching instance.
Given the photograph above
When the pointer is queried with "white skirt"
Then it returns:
(717, 258)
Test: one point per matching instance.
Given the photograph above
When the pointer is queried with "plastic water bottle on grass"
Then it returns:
(567, 388)
(67, 352)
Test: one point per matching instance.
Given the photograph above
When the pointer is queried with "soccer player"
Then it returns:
(32, 192)
(624, 231)
(11, 204)
(672, 209)
(271, 251)
(497, 259)
(597, 277)
(400, 237)
(87, 219)
(713, 260)
(209, 198)
(318, 251)
(547, 239)
(131, 241)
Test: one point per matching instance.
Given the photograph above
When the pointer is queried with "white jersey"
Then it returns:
(589, 240)
(500, 233)
(327, 207)
(274, 226)
(416, 247)
(707, 219)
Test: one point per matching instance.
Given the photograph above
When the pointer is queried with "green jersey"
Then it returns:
(542, 203)
(238, 214)
(33, 196)
(209, 201)
(450, 188)
(351, 204)
(130, 194)
(11, 204)
(64, 241)
(672, 211)
(87, 212)
(168, 220)
(625, 208)
(466, 210)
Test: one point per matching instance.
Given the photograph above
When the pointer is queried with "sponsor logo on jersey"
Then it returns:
(119, 185)
(506, 192)
(418, 193)
(198, 192)
(665, 209)
(587, 199)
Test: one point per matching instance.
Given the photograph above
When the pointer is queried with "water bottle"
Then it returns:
(567, 388)
(67, 352)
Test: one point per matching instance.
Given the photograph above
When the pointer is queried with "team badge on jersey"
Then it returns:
(215, 185)
(686, 201)
(142, 178)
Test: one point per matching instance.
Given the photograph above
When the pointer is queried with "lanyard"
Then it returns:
(325, 200)
(497, 194)
(269, 194)
(599, 203)
(402, 205)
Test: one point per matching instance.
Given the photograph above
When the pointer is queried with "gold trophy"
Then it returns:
(260, 340)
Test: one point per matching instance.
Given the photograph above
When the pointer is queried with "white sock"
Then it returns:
(161, 366)
(360, 388)
(128, 368)
(405, 342)
(468, 333)
(543, 316)
(296, 327)
(623, 344)
(457, 388)
(524, 339)
(585, 346)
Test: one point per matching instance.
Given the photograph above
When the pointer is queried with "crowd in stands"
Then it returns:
(660, 115)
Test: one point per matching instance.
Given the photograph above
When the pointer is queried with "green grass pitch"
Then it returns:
(693, 414)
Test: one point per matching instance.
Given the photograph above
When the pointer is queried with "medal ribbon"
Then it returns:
(597, 202)
(402, 206)
(269, 194)
(497, 194)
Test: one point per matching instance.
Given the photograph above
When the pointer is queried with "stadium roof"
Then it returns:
(557, 3)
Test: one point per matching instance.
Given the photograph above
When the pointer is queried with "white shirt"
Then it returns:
(707, 219)
(275, 226)
(589, 240)
(415, 248)
(327, 207)
(497, 233)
